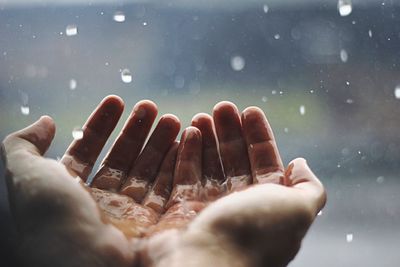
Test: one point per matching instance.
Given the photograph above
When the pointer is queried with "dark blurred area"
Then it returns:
(328, 82)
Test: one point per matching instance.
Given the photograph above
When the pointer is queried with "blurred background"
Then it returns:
(326, 72)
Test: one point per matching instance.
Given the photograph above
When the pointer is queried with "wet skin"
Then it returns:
(161, 202)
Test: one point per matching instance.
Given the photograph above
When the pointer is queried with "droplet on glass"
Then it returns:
(302, 110)
(349, 238)
(345, 7)
(77, 133)
(380, 179)
(126, 76)
(370, 33)
(71, 30)
(73, 84)
(237, 63)
(265, 8)
(264, 99)
(397, 92)
(119, 16)
(277, 36)
(25, 110)
(343, 55)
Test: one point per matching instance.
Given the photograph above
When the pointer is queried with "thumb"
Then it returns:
(34, 139)
(299, 175)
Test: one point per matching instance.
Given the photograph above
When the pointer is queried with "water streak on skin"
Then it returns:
(237, 183)
(75, 166)
(156, 202)
(109, 178)
(124, 213)
(136, 188)
(212, 189)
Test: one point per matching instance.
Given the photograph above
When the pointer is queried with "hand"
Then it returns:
(259, 211)
(56, 213)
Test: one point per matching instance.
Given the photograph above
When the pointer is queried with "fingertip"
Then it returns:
(252, 111)
(202, 120)
(191, 132)
(145, 107)
(225, 107)
(113, 100)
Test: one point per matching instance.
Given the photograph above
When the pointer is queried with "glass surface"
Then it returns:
(325, 72)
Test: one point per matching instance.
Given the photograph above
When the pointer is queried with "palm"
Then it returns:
(141, 190)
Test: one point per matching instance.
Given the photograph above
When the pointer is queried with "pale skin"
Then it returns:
(219, 197)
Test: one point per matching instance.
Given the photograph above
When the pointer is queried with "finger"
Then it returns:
(82, 154)
(299, 175)
(148, 163)
(127, 147)
(34, 139)
(213, 174)
(265, 161)
(187, 176)
(159, 194)
(232, 145)
(212, 167)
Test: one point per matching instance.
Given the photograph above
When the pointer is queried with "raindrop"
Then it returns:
(237, 63)
(144, 23)
(72, 84)
(264, 99)
(286, 130)
(277, 36)
(265, 8)
(77, 133)
(349, 238)
(397, 92)
(370, 33)
(319, 213)
(25, 110)
(119, 16)
(347, 83)
(380, 179)
(349, 101)
(302, 110)
(338, 165)
(345, 7)
(71, 30)
(273, 92)
(343, 55)
(126, 76)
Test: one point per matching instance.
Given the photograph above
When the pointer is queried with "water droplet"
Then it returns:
(370, 33)
(380, 179)
(343, 55)
(345, 7)
(265, 8)
(144, 23)
(349, 238)
(347, 83)
(126, 76)
(319, 213)
(273, 92)
(338, 166)
(72, 84)
(237, 63)
(302, 110)
(397, 92)
(349, 101)
(102, 13)
(25, 110)
(286, 130)
(277, 36)
(71, 30)
(312, 91)
(119, 16)
(264, 99)
(77, 133)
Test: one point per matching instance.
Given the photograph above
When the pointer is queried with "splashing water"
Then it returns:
(119, 16)
(343, 55)
(77, 133)
(71, 30)
(397, 92)
(349, 238)
(302, 110)
(265, 8)
(345, 7)
(73, 84)
(25, 110)
(126, 76)
(237, 63)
